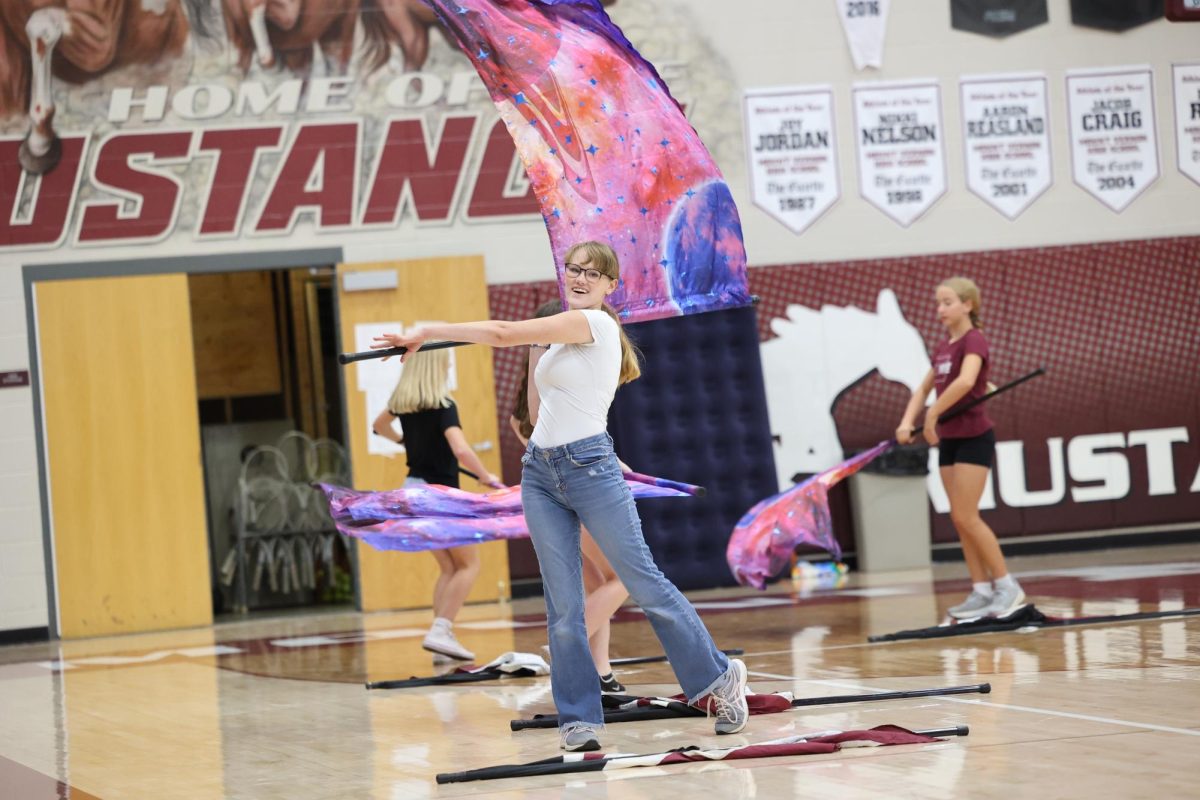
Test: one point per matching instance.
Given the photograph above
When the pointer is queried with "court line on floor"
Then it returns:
(1067, 714)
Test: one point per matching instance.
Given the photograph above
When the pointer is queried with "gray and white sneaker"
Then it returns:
(578, 736)
(976, 605)
(1006, 600)
(729, 699)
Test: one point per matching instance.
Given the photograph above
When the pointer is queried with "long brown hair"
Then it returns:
(521, 409)
(605, 260)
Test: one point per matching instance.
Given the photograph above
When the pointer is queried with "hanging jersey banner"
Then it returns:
(1183, 10)
(1115, 15)
(901, 158)
(1186, 79)
(792, 155)
(1006, 139)
(864, 22)
(1114, 147)
(997, 17)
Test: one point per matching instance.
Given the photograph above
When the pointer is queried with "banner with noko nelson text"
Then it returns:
(899, 140)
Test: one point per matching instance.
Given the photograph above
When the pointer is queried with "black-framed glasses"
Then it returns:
(591, 275)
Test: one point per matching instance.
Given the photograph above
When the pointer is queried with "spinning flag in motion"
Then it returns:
(766, 536)
(434, 517)
(608, 150)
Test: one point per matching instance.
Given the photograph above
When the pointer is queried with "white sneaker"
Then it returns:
(729, 698)
(976, 605)
(440, 640)
(1006, 600)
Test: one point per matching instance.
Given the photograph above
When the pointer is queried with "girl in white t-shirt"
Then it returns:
(570, 477)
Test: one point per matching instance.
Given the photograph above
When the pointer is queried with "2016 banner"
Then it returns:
(792, 153)
(1006, 140)
(1187, 118)
(1114, 146)
(901, 155)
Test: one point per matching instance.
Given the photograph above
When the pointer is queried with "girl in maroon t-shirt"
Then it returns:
(966, 445)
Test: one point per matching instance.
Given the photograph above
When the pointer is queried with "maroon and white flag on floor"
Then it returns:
(901, 152)
(1114, 146)
(823, 742)
(1186, 80)
(865, 22)
(1006, 139)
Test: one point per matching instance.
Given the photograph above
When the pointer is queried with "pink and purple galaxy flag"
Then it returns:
(433, 517)
(608, 150)
(765, 538)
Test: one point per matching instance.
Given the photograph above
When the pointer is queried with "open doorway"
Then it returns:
(271, 424)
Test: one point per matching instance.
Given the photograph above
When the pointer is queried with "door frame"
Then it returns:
(32, 274)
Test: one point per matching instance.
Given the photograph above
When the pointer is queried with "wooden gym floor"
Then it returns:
(276, 708)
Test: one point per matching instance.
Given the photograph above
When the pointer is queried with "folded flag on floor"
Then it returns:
(810, 744)
(433, 517)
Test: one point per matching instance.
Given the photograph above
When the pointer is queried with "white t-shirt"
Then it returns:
(576, 384)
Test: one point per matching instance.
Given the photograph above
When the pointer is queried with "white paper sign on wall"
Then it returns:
(898, 133)
(1114, 146)
(376, 379)
(1006, 139)
(792, 153)
(1186, 80)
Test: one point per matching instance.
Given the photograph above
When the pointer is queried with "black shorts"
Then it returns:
(971, 450)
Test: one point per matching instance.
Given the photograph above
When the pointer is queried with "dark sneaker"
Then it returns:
(610, 685)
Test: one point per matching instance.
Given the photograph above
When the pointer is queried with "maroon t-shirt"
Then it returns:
(947, 365)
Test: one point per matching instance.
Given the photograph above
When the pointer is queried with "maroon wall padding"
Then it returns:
(1116, 324)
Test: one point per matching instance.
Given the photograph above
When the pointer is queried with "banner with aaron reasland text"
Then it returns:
(791, 152)
(1114, 147)
(898, 138)
(1006, 139)
(1186, 80)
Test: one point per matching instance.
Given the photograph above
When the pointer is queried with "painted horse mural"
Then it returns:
(77, 41)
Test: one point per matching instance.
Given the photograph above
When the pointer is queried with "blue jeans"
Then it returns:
(581, 482)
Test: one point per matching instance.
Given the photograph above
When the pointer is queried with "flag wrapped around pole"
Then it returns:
(767, 535)
(608, 151)
(432, 517)
(809, 744)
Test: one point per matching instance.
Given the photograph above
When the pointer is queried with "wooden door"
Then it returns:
(118, 387)
(429, 290)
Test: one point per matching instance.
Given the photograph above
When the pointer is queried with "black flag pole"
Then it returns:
(388, 352)
(949, 415)
(675, 710)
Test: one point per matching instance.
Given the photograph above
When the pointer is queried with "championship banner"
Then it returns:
(997, 17)
(1114, 146)
(901, 157)
(865, 22)
(792, 153)
(1006, 140)
(608, 151)
(1186, 80)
